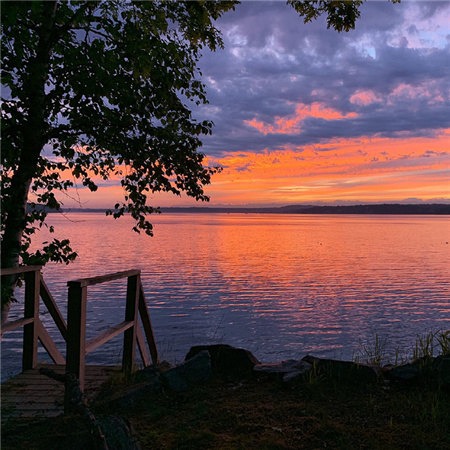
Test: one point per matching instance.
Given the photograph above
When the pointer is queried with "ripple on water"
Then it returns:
(262, 282)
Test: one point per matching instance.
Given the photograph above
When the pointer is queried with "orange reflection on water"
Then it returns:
(279, 285)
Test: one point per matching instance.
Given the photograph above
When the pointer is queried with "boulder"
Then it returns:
(118, 433)
(432, 369)
(357, 373)
(146, 381)
(441, 368)
(227, 360)
(150, 373)
(288, 370)
(405, 372)
(126, 398)
(194, 370)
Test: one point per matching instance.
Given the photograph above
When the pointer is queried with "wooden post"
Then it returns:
(30, 330)
(131, 314)
(50, 303)
(76, 331)
(147, 324)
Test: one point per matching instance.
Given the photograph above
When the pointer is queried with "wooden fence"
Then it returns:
(74, 331)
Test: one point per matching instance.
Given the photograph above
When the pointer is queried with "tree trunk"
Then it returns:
(34, 138)
(12, 237)
(5, 312)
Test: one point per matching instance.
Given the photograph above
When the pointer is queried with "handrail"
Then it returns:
(147, 325)
(53, 309)
(107, 335)
(19, 270)
(33, 329)
(74, 331)
(81, 282)
(77, 345)
(12, 325)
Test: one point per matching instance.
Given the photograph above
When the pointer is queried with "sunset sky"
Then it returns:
(304, 114)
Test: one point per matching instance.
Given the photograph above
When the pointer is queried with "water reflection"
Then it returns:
(281, 286)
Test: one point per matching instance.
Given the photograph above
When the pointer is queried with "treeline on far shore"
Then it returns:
(387, 208)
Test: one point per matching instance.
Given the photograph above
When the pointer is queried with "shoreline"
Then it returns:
(363, 209)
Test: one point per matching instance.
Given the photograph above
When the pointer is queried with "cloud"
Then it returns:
(276, 73)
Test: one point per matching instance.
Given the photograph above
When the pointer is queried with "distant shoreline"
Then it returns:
(364, 209)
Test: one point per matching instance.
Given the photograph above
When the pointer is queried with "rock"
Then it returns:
(343, 369)
(150, 373)
(118, 433)
(441, 368)
(195, 370)
(146, 381)
(406, 372)
(227, 360)
(425, 369)
(287, 370)
(129, 397)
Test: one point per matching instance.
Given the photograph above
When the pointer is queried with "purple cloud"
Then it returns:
(391, 74)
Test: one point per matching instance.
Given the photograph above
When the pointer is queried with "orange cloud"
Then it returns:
(429, 91)
(364, 98)
(364, 169)
(353, 169)
(293, 124)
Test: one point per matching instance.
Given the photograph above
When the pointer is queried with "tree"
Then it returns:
(99, 89)
(93, 87)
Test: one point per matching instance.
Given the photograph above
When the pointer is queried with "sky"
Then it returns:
(304, 114)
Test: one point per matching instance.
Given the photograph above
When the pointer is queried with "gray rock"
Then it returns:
(146, 381)
(441, 367)
(195, 370)
(406, 372)
(357, 373)
(425, 369)
(150, 373)
(288, 370)
(128, 398)
(118, 433)
(227, 360)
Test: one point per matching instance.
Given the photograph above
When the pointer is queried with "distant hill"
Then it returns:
(387, 208)
(433, 209)
(38, 207)
(422, 209)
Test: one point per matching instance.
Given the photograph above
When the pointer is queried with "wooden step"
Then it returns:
(31, 394)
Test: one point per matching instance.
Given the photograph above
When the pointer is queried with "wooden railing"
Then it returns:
(74, 332)
(33, 329)
(78, 347)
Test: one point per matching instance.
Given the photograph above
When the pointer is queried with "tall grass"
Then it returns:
(427, 345)
(431, 344)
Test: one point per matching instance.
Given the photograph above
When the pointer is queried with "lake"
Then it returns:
(281, 286)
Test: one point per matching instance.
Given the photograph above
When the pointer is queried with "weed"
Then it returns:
(427, 344)
(444, 342)
(375, 355)
(399, 360)
(313, 377)
(424, 347)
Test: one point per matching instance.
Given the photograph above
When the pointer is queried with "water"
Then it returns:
(281, 286)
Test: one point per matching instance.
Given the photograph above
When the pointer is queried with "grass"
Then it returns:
(264, 414)
(259, 413)
(427, 345)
